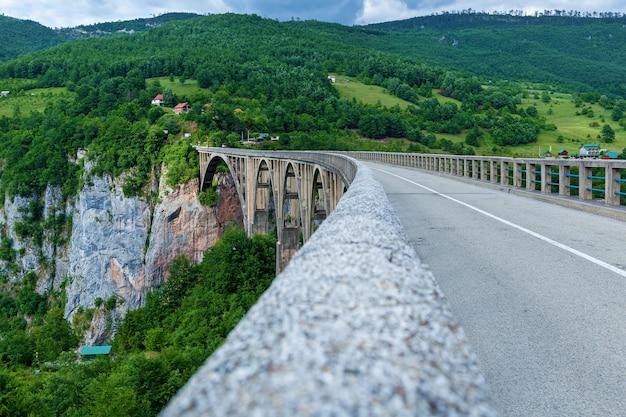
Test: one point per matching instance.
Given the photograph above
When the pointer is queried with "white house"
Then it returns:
(157, 100)
(589, 150)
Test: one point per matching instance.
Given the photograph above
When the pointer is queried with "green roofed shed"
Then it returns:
(89, 353)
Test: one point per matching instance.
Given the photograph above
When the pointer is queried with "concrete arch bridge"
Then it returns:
(287, 193)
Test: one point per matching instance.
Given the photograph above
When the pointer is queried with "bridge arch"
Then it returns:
(264, 201)
(290, 234)
(319, 199)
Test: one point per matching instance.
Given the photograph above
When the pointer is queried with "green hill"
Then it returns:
(23, 36)
(246, 73)
(20, 37)
(124, 26)
(580, 52)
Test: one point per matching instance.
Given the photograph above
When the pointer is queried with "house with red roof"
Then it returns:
(182, 108)
(158, 100)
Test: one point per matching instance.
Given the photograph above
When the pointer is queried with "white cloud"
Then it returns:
(63, 13)
(375, 11)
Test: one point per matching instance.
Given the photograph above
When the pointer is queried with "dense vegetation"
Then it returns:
(584, 52)
(242, 75)
(256, 75)
(157, 348)
(24, 36)
(127, 26)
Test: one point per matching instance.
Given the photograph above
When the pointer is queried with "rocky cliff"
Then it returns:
(114, 248)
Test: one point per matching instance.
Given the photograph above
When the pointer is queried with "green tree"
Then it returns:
(110, 395)
(617, 113)
(373, 126)
(209, 197)
(16, 347)
(607, 134)
(55, 336)
(169, 100)
(181, 160)
(472, 136)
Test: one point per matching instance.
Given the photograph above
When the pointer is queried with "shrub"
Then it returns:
(111, 302)
(209, 197)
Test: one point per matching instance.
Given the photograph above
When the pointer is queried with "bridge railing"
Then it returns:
(355, 325)
(588, 180)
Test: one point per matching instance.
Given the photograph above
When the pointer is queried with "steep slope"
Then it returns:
(116, 247)
(563, 48)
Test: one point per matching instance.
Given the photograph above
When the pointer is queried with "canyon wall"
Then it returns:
(114, 246)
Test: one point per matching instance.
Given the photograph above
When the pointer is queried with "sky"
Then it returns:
(64, 13)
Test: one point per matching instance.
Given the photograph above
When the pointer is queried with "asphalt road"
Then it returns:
(539, 289)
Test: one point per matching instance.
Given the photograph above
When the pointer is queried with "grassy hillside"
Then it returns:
(34, 100)
(352, 88)
(573, 127)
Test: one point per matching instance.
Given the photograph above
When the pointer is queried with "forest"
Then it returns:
(24, 36)
(157, 347)
(562, 48)
(240, 74)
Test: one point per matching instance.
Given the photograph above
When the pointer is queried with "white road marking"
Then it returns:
(518, 227)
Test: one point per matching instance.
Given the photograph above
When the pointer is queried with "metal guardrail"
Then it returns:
(599, 180)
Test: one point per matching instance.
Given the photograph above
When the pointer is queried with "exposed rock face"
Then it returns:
(106, 250)
(119, 247)
(181, 226)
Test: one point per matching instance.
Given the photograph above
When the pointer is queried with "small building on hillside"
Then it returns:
(89, 353)
(182, 108)
(4, 93)
(332, 78)
(563, 153)
(157, 100)
(589, 150)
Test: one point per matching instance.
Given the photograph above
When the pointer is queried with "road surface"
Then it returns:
(539, 289)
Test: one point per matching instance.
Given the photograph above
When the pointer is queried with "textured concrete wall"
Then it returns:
(354, 326)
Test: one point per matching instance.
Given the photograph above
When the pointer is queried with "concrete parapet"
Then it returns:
(354, 326)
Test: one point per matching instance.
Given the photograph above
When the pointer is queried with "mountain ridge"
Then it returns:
(21, 36)
(572, 49)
